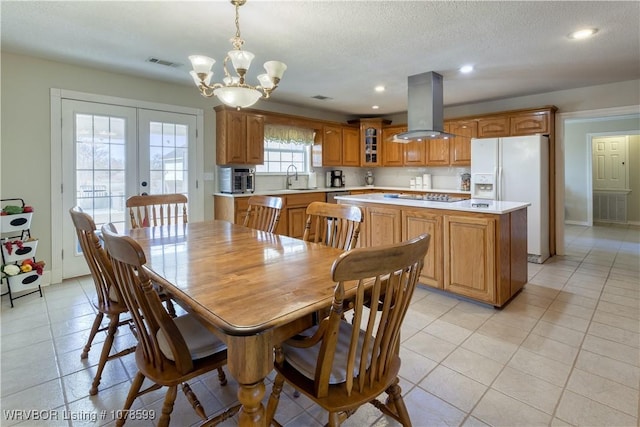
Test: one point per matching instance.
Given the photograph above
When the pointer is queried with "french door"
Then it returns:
(111, 152)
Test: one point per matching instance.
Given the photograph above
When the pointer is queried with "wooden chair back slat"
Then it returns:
(157, 209)
(263, 213)
(333, 225)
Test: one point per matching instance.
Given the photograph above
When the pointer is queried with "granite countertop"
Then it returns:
(330, 190)
(469, 205)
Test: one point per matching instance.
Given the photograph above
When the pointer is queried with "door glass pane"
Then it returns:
(168, 158)
(100, 173)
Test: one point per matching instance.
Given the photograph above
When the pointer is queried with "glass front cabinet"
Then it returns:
(371, 141)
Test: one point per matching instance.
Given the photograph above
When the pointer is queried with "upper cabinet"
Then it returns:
(350, 146)
(331, 145)
(437, 152)
(392, 152)
(493, 127)
(528, 123)
(460, 144)
(239, 137)
(370, 141)
(517, 123)
(336, 145)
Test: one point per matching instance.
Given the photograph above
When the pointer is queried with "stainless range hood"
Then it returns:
(425, 109)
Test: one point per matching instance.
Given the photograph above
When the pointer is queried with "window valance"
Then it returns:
(288, 134)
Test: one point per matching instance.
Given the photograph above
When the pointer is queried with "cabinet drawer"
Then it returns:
(304, 199)
(493, 127)
(529, 124)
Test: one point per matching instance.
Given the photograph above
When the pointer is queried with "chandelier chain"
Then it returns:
(237, 41)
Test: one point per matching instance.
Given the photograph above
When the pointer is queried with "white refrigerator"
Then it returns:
(516, 169)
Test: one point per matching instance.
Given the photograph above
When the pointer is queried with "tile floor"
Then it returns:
(565, 351)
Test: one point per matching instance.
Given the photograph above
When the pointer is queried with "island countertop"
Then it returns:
(469, 205)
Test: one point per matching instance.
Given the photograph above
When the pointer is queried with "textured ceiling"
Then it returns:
(342, 49)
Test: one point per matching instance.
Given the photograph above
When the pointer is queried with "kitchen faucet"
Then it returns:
(288, 177)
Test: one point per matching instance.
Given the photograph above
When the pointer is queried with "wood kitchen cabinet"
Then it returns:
(350, 146)
(529, 123)
(331, 145)
(493, 127)
(296, 212)
(469, 256)
(475, 255)
(417, 222)
(370, 140)
(460, 144)
(392, 152)
(412, 153)
(239, 137)
(382, 225)
(437, 152)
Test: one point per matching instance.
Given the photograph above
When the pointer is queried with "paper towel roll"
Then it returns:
(426, 181)
(312, 183)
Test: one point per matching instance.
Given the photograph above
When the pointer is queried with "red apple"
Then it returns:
(27, 209)
(3, 213)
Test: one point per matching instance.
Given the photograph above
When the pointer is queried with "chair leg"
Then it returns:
(274, 399)
(94, 330)
(167, 407)
(133, 393)
(222, 378)
(114, 320)
(396, 404)
(193, 400)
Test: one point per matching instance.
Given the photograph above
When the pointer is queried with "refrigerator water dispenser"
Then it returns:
(483, 186)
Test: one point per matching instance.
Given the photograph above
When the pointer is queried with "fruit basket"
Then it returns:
(17, 250)
(24, 281)
(15, 222)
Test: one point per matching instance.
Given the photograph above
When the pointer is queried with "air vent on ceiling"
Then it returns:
(163, 62)
(321, 97)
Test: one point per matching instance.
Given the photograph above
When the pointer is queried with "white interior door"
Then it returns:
(609, 162)
(111, 152)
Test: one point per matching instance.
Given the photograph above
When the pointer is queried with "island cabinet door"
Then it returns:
(383, 225)
(469, 257)
(415, 223)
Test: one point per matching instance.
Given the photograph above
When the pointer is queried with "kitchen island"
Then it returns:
(478, 247)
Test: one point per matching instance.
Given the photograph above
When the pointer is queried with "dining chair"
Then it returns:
(333, 224)
(342, 365)
(109, 302)
(157, 209)
(263, 213)
(170, 351)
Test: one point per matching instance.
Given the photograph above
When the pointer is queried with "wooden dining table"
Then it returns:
(253, 289)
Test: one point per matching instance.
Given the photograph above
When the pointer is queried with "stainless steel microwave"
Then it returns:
(237, 180)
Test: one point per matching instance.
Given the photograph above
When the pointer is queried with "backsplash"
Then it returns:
(442, 178)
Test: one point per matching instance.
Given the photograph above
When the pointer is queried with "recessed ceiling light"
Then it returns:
(466, 69)
(582, 34)
(375, 107)
(379, 88)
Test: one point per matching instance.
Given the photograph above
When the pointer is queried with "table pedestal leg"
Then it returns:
(252, 412)
(249, 360)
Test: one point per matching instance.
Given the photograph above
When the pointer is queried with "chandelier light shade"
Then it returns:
(234, 91)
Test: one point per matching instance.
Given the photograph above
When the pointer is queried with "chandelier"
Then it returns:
(235, 92)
